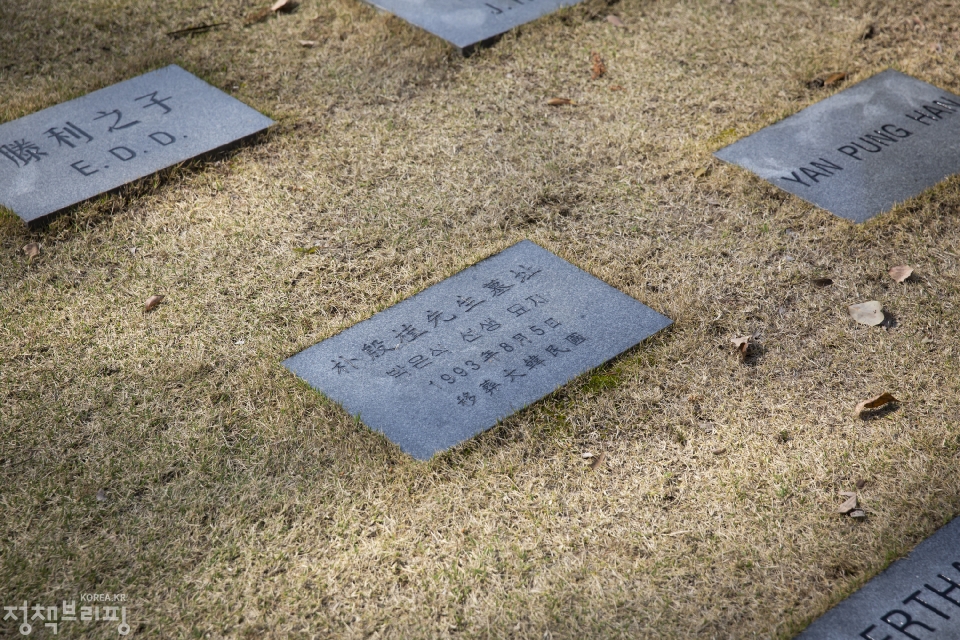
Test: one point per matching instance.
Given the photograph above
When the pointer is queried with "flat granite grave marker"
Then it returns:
(917, 597)
(448, 363)
(465, 23)
(860, 151)
(76, 150)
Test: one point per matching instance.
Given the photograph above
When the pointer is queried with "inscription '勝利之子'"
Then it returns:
(450, 362)
(65, 154)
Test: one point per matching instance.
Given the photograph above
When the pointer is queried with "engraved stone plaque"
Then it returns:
(451, 361)
(861, 151)
(73, 151)
(916, 597)
(465, 23)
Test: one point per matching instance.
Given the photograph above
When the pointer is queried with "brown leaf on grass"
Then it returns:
(616, 87)
(152, 303)
(720, 451)
(868, 313)
(307, 43)
(834, 78)
(822, 282)
(901, 272)
(32, 250)
(596, 462)
(861, 483)
(742, 345)
(559, 102)
(849, 504)
(857, 514)
(615, 21)
(875, 403)
(702, 172)
(280, 6)
(598, 69)
(258, 16)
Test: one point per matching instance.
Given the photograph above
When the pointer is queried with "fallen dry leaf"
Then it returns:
(834, 78)
(742, 344)
(586, 455)
(559, 102)
(596, 462)
(307, 43)
(598, 69)
(258, 16)
(152, 302)
(901, 272)
(861, 483)
(868, 313)
(875, 403)
(857, 514)
(282, 5)
(32, 250)
(720, 451)
(615, 21)
(616, 87)
(701, 172)
(849, 504)
(822, 282)
(101, 495)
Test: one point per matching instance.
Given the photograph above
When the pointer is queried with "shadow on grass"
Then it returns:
(119, 198)
(881, 412)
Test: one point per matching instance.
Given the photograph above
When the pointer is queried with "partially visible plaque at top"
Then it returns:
(861, 151)
(73, 151)
(916, 598)
(448, 363)
(465, 23)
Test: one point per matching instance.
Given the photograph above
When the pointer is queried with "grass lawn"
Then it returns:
(239, 503)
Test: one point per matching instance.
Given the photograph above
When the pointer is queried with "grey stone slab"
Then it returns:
(916, 597)
(860, 151)
(450, 362)
(465, 23)
(79, 149)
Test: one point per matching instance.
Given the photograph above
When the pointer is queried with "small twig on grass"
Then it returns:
(189, 31)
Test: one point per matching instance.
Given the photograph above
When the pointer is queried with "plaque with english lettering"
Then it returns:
(862, 150)
(917, 597)
(465, 23)
(450, 362)
(76, 150)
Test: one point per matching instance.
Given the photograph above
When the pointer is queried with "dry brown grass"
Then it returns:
(242, 504)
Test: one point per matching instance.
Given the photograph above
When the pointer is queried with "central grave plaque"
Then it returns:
(448, 363)
(465, 23)
(861, 151)
(73, 151)
(917, 597)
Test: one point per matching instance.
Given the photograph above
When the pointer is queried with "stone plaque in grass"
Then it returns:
(917, 597)
(453, 360)
(76, 150)
(861, 151)
(465, 23)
